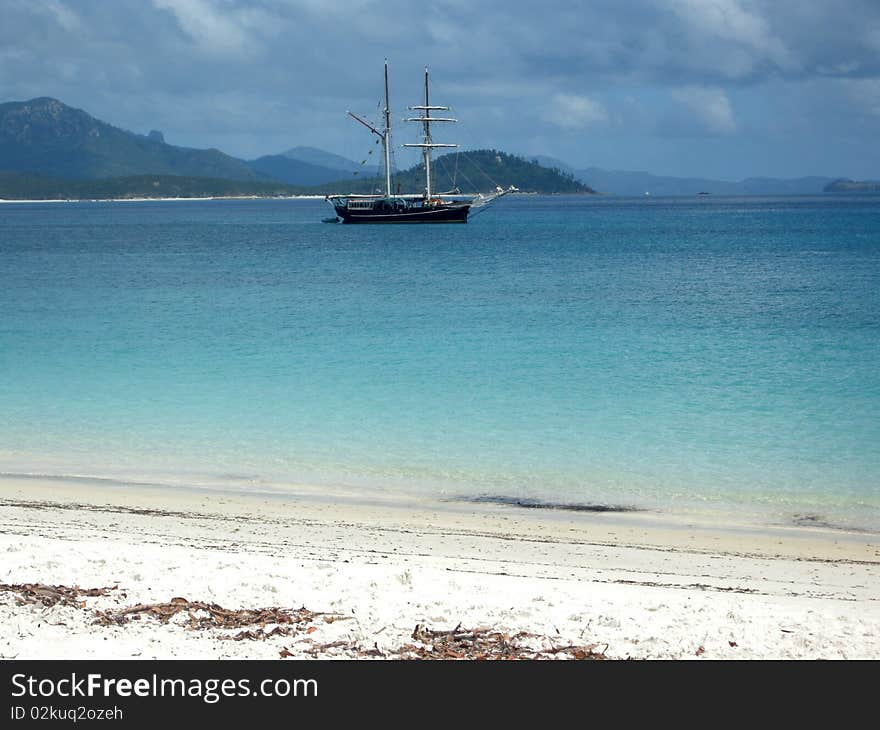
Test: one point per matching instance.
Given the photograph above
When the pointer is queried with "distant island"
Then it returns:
(49, 150)
(475, 171)
(845, 185)
(638, 183)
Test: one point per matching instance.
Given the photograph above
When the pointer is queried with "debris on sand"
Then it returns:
(48, 596)
(474, 644)
(202, 615)
(259, 624)
(487, 643)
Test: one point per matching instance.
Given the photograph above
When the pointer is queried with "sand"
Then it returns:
(644, 586)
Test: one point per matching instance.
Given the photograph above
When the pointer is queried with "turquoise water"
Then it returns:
(715, 355)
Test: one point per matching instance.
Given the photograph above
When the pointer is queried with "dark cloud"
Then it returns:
(590, 82)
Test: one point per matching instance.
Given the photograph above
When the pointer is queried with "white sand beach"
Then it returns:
(627, 585)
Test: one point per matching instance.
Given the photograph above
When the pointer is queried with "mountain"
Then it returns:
(618, 182)
(550, 162)
(632, 183)
(845, 185)
(775, 186)
(485, 166)
(47, 137)
(297, 172)
(321, 158)
(471, 172)
(311, 166)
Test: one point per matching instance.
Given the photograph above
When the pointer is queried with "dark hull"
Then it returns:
(444, 214)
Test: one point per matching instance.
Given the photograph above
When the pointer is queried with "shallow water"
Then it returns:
(710, 354)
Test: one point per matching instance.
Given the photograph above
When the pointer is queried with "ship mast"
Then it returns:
(385, 135)
(386, 138)
(427, 145)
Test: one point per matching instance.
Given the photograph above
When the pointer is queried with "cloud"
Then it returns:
(217, 27)
(864, 95)
(709, 106)
(65, 17)
(743, 39)
(257, 76)
(571, 111)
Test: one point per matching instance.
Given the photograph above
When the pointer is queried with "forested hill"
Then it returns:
(46, 137)
(471, 172)
(51, 150)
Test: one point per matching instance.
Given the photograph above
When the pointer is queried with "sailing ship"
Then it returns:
(427, 206)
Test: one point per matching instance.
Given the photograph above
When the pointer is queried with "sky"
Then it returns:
(724, 89)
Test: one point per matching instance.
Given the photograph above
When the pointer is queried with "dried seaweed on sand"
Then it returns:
(46, 595)
(202, 615)
(257, 624)
(486, 643)
(482, 643)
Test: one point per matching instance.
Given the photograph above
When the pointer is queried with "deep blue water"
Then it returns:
(713, 354)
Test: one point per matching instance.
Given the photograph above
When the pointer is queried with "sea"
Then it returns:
(705, 356)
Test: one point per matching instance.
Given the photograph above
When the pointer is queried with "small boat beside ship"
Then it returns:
(427, 206)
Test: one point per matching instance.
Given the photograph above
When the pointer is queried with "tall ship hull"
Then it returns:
(425, 207)
(383, 210)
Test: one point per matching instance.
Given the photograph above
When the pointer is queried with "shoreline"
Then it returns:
(163, 200)
(645, 585)
(660, 529)
(723, 516)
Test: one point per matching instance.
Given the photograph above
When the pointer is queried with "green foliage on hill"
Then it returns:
(24, 186)
(51, 150)
(472, 172)
(45, 137)
(488, 166)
